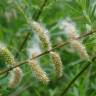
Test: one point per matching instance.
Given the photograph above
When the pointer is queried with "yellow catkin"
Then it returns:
(38, 71)
(6, 56)
(80, 49)
(15, 77)
(42, 34)
(6, 59)
(58, 63)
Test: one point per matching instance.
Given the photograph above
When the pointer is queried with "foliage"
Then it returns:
(15, 18)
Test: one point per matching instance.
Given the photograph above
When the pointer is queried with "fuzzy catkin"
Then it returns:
(69, 29)
(41, 32)
(38, 71)
(71, 32)
(58, 63)
(80, 49)
(6, 59)
(6, 56)
(15, 77)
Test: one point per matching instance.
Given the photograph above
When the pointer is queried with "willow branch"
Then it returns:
(46, 52)
(76, 77)
(28, 34)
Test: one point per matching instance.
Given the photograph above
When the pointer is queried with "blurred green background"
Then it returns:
(14, 16)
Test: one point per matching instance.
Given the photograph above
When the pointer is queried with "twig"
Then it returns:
(41, 10)
(46, 52)
(73, 80)
(76, 77)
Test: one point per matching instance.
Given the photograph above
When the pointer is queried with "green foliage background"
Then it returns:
(14, 27)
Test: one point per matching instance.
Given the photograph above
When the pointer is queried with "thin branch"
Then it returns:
(46, 52)
(28, 34)
(22, 44)
(76, 77)
(41, 10)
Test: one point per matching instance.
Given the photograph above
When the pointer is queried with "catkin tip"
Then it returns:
(69, 29)
(39, 73)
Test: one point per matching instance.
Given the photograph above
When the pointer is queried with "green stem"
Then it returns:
(65, 90)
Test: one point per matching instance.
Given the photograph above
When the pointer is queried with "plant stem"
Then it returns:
(74, 79)
(22, 44)
(41, 10)
(65, 90)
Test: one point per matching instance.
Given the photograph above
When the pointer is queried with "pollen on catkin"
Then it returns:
(69, 28)
(42, 34)
(38, 71)
(80, 49)
(58, 63)
(15, 77)
(6, 56)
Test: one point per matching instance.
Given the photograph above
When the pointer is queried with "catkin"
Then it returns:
(16, 74)
(39, 73)
(6, 56)
(69, 29)
(58, 63)
(80, 49)
(42, 34)
(15, 77)
(71, 32)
